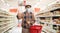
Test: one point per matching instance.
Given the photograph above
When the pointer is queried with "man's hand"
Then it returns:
(28, 22)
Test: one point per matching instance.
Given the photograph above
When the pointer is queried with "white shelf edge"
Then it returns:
(6, 23)
(46, 28)
(6, 16)
(7, 26)
(48, 16)
(50, 23)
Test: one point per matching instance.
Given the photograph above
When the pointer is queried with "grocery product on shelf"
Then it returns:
(56, 20)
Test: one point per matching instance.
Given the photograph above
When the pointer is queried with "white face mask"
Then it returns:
(28, 9)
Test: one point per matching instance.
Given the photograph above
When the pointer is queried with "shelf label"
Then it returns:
(13, 10)
(37, 9)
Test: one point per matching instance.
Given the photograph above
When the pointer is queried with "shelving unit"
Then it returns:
(7, 21)
(51, 18)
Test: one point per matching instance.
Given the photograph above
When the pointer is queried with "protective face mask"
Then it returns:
(28, 9)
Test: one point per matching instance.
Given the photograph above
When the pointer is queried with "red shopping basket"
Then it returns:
(35, 29)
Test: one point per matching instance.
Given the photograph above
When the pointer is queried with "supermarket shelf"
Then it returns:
(43, 16)
(9, 28)
(45, 29)
(50, 7)
(2, 23)
(5, 12)
(48, 30)
(3, 20)
(56, 24)
(56, 15)
(48, 16)
(7, 21)
(6, 16)
(50, 23)
(6, 26)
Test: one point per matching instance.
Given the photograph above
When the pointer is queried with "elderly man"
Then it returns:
(27, 19)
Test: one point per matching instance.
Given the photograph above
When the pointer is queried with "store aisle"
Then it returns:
(17, 30)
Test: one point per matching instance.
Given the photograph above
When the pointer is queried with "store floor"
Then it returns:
(17, 30)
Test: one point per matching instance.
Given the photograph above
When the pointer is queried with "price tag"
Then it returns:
(13, 10)
(37, 9)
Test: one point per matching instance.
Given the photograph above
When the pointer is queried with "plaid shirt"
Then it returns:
(27, 17)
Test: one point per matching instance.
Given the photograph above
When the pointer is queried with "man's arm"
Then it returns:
(33, 19)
